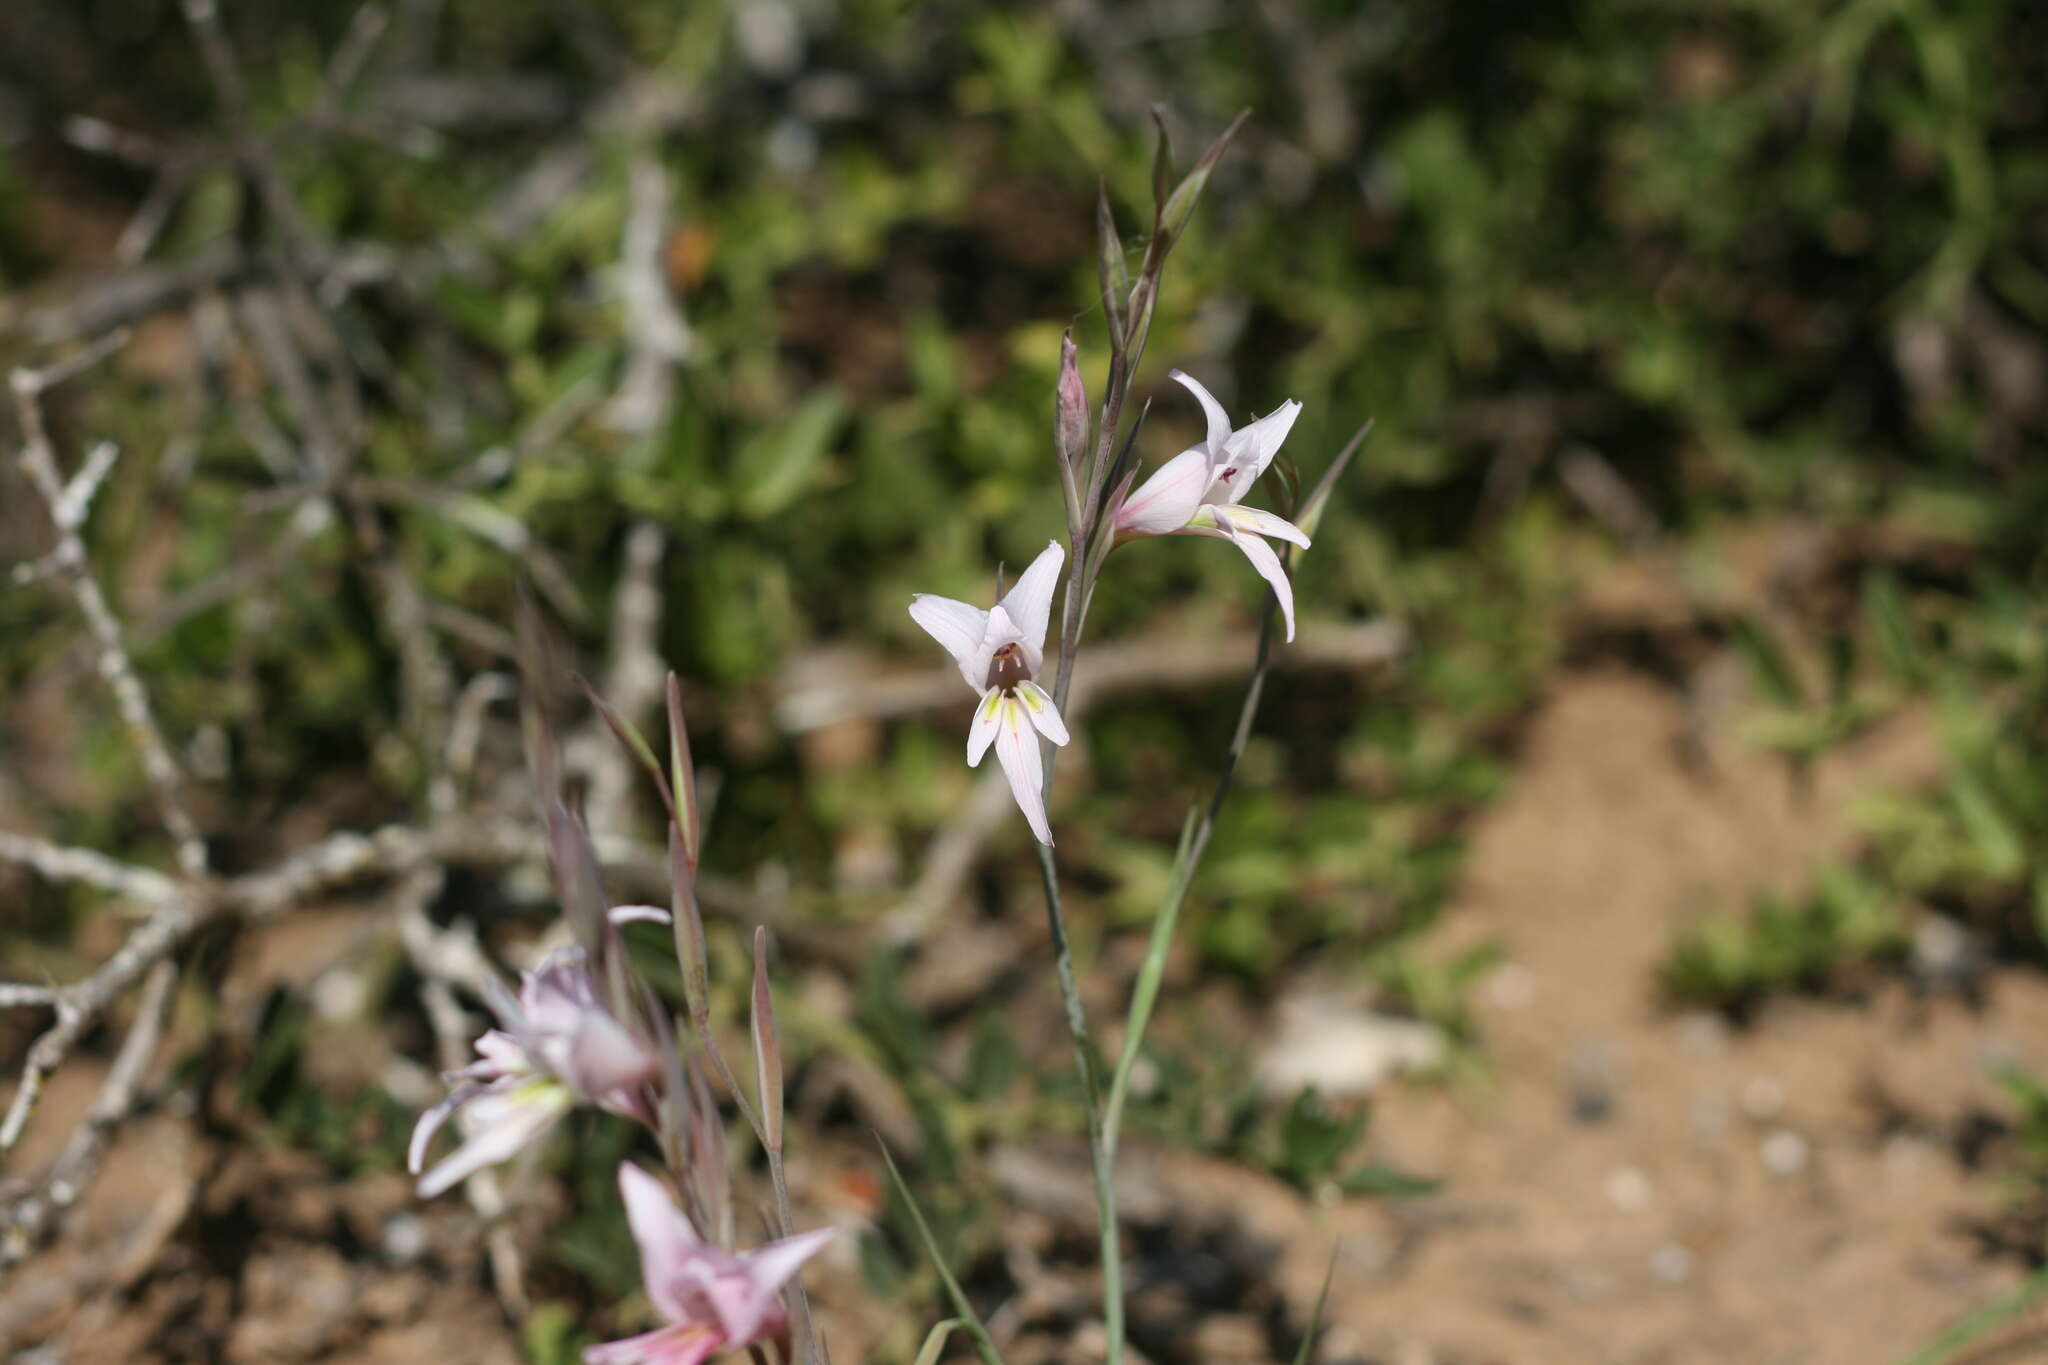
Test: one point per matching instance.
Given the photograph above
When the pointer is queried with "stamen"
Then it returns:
(1006, 667)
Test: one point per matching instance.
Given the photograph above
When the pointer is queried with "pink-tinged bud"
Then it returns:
(1071, 405)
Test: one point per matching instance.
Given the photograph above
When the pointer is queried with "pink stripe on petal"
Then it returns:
(1164, 502)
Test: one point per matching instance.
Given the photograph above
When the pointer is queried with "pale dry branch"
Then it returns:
(24, 1221)
(658, 339)
(87, 866)
(67, 502)
(447, 959)
(632, 683)
(1133, 665)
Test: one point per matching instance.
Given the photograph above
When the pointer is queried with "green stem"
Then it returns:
(810, 1343)
(1145, 994)
(1101, 1154)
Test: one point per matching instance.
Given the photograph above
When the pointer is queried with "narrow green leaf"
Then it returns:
(689, 927)
(1315, 1318)
(1286, 486)
(767, 1047)
(1109, 264)
(1952, 1343)
(1377, 1180)
(1181, 206)
(689, 820)
(778, 465)
(1768, 662)
(1319, 496)
(636, 745)
(1884, 607)
(1162, 162)
(935, 1341)
(984, 1345)
(1998, 841)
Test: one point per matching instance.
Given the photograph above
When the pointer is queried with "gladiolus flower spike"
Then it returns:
(558, 1047)
(1199, 492)
(1001, 652)
(713, 1300)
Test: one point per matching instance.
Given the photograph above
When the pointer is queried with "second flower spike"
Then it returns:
(1001, 652)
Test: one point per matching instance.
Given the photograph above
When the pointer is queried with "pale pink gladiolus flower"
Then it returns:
(1199, 492)
(1000, 652)
(712, 1299)
(558, 1048)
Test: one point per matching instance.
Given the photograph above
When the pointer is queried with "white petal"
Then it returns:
(1001, 631)
(1029, 601)
(637, 914)
(955, 625)
(1253, 447)
(669, 1245)
(521, 1118)
(1017, 751)
(1268, 564)
(983, 732)
(1038, 705)
(1219, 420)
(1259, 523)
(1165, 501)
(429, 1123)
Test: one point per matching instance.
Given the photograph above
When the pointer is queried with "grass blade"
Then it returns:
(935, 1341)
(970, 1320)
(1315, 1319)
(1974, 1327)
(767, 1047)
(1319, 496)
(628, 735)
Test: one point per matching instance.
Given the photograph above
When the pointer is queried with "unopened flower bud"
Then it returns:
(1071, 405)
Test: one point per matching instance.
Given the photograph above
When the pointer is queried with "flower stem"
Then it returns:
(1100, 1155)
(810, 1342)
(1194, 842)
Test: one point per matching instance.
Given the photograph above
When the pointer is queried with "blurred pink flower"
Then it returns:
(1000, 652)
(558, 1047)
(712, 1299)
(1198, 492)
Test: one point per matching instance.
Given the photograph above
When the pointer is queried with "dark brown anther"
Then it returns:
(1007, 668)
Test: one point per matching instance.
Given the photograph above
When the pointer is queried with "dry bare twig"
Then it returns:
(67, 503)
(1180, 661)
